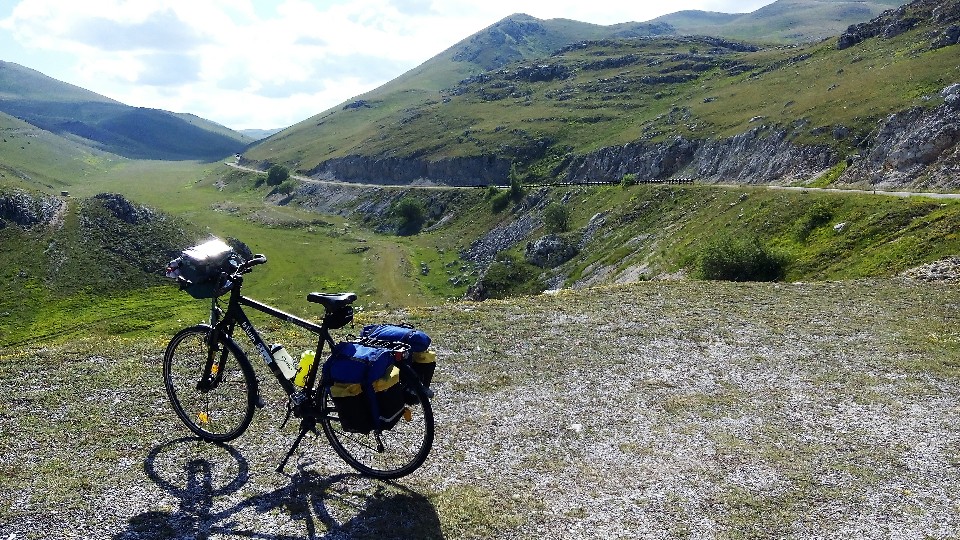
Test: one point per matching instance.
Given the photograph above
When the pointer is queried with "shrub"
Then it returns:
(410, 214)
(819, 215)
(499, 201)
(509, 276)
(556, 217)
(628, 180)
(277, 174)
(739, 259)
(287, 187)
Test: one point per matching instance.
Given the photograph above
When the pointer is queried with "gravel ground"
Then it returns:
(654, 410)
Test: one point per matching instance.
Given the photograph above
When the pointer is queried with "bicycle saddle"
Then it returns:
(332, 301)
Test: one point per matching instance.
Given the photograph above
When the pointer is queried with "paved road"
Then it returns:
(349, 184)
(902, 194)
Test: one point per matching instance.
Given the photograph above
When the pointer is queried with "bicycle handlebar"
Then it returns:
(257, 259)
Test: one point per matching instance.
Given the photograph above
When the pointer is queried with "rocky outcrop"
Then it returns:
(550, 251)
(26, 210)
(647, 160)
(893, 22)
(124, 210)
(759, 156)
(917, 148)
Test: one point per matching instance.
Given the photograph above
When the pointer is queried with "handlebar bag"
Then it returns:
(201, 266)
(418, 340)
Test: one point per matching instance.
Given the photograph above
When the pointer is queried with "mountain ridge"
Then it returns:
(785, 21)
(540, 114)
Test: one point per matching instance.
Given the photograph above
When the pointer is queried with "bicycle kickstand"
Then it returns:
(307, 424)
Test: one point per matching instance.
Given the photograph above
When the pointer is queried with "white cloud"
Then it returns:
(271, 63)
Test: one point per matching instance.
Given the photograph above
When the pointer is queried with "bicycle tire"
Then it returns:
(406, 445)
(223, 411)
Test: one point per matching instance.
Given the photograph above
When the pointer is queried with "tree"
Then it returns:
(516, 188)
(277, 174)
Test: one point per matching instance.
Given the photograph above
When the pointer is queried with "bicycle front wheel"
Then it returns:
(215, 402)
(392, 453)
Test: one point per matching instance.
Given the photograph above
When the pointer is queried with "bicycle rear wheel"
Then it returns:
(404, 447)
(216, 404)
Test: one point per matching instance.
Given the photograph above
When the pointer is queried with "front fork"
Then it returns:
(213, 369)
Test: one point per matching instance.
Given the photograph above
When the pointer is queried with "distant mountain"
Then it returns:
(785, 21)
(257, 134)
(106, 124)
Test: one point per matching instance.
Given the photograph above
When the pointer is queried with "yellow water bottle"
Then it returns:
(306, 361)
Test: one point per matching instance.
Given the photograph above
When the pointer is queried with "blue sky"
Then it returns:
(266, 63)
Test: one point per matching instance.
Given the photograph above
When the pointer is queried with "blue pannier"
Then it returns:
(352, 363)
(416, 339)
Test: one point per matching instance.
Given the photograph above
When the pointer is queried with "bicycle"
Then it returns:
(214, 390)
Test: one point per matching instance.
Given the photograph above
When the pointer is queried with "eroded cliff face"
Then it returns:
(760, 156)
(913, 149)
(459, 171)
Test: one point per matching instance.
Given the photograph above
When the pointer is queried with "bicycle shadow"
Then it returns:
(206, 480)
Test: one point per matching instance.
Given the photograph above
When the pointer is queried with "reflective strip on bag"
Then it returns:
(342, 390)
(425, 357)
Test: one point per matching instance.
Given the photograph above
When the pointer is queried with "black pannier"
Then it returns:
(354, 408)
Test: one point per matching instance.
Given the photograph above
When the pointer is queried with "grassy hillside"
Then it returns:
(31, 157)
(19, 82)
(105, 124)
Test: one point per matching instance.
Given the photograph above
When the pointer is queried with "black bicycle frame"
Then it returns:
(236, 315)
